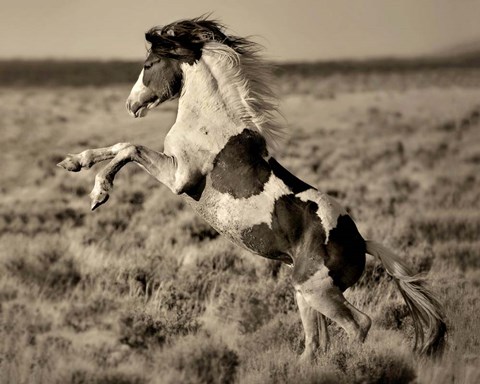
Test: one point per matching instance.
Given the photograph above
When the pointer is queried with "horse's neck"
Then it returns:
(206, 108)
(208, 123)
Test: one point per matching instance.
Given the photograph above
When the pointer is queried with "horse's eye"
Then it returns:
(149, 63)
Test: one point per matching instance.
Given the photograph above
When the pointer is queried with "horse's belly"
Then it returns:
(233, 217)
(236, 218)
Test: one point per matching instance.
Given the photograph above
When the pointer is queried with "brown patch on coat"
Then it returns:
(240, 168)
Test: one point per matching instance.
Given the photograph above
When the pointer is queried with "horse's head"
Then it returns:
(171, 46)
(159, 80)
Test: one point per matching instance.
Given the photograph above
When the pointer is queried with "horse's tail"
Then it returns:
(426, 311)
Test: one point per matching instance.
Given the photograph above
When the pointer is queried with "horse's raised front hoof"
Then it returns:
(98, 199)
(70, 163)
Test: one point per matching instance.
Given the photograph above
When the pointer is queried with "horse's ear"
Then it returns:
(149, 37)
(161, 43)
(153, 37)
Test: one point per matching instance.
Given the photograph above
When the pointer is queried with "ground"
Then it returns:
(142, 291)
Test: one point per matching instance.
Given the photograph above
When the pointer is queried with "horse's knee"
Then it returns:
(130, 152)
(120, 146)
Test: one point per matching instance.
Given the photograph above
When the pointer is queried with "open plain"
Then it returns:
(143, 291)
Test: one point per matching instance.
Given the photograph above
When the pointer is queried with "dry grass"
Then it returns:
(142, 291)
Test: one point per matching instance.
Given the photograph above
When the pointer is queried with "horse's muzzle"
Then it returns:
(140, 109)
(135, 108)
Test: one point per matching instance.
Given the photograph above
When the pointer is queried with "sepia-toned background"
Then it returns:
(382, 107)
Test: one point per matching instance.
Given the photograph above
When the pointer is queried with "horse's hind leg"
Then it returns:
(323, 337)
(361, 319)
(315, 328)
(321, 293)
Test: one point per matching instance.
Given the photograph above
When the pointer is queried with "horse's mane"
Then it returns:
(189, 39)
(256, 103)
(190, 34)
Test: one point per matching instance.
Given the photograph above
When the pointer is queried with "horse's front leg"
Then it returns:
(159, 165)
(90, 157)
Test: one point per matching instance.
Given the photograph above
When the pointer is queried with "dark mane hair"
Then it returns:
(184, 38)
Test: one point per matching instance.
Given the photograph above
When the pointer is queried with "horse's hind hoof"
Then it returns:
(70, 164)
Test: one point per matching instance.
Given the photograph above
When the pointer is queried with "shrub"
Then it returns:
(368, 363)
(39, 218)
(466, 255)
(49, 266)
(142, 330)
(252, 306)
(393, 316)
(86, 376)
(199, 230)
(384, 367)
(83, 316)
(444, 225)
(283, 330)
(199, 359)
(278, 365)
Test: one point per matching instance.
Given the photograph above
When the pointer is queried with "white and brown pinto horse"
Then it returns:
(216, 156)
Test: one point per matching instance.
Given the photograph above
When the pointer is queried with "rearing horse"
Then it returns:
(216, 157)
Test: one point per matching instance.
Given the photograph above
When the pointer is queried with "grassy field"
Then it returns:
(142, 291)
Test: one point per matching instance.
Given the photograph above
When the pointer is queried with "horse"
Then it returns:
(217, 157)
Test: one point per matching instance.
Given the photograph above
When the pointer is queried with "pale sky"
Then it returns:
(291, 30)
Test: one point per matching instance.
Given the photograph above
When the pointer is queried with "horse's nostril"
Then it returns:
(131, 107)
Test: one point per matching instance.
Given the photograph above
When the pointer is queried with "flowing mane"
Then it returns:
(257, 103)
